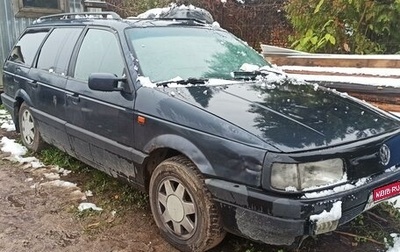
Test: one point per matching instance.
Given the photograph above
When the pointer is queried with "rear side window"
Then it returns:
(25, 50)
(100, 53)
(56, 51)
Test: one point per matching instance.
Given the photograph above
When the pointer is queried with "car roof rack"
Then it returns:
(170, 19)
(177, 13)
(77, 16)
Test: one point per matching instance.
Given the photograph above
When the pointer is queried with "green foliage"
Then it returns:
(345, 26)
(54, 156)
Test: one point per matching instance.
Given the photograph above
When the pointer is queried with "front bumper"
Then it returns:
(10, 104)
(280, 219)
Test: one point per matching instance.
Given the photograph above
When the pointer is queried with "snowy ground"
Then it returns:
(51, 174)
(40, 209)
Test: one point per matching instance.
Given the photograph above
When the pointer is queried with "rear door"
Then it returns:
(50, 78)
(100, 124)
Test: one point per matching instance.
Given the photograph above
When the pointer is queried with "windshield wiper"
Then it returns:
(194, 81)
(245, 75)
(252, 75)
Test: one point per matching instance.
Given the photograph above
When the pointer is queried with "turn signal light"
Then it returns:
(141, 120)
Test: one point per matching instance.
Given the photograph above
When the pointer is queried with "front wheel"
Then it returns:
(28, 128)
(182, 207)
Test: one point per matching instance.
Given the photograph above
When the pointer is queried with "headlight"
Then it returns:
(307, 176)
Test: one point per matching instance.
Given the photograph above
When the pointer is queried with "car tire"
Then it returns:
(182, 206)
(30, 134)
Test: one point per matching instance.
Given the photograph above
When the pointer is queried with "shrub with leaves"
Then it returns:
(345, 26)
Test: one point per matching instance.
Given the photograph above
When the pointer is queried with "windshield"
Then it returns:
(165, 53)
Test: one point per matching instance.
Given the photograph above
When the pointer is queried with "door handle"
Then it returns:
(73, 98)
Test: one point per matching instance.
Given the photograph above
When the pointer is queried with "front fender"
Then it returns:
(184, 146)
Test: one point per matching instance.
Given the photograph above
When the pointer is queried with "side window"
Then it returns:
(56, 51)
(25, 50)
(100, 53)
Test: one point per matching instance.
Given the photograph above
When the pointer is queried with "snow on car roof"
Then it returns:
(178, 12)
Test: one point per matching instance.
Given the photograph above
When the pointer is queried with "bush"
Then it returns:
(345, 26)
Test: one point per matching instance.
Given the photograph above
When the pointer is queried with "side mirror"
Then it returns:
(105, 82)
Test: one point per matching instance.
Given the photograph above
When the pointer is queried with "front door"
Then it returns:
(100, 124)
(50, 78)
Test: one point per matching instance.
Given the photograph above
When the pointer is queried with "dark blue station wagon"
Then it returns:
(185, 111)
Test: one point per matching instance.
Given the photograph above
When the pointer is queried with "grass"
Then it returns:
(108, 191)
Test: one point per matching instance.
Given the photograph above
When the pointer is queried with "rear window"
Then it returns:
(25, 50)
(56, 51)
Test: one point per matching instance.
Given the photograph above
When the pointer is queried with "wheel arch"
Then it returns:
(166, 146)
(21, 96)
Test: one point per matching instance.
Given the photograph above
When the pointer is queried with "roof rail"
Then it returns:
(170, 19)
(78, 15)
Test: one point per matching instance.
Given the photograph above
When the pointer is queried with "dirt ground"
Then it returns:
(36, 217)
(43, 218)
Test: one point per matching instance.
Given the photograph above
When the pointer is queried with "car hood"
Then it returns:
(290, 116)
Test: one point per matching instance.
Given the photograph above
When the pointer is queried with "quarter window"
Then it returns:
(56, 51)
(25, 50)
(99, 53)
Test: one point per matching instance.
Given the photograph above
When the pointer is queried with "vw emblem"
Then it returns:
(384, 154)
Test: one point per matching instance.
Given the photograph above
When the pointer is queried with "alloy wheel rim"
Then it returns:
(28, 127)
(177, 209)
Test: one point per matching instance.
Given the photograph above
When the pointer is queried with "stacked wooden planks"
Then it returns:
(374, 78)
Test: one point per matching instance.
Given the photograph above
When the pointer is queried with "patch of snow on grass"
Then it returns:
(36, 164)
(10, 146)
(52, 176)
(8, 126)
(16, 151)
(86, 206)
(60, 170)
(6, 121)
(59, 183)
(396, 243)
(89, 193)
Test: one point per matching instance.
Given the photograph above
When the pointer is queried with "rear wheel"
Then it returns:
(28, 128)
(182, 207)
